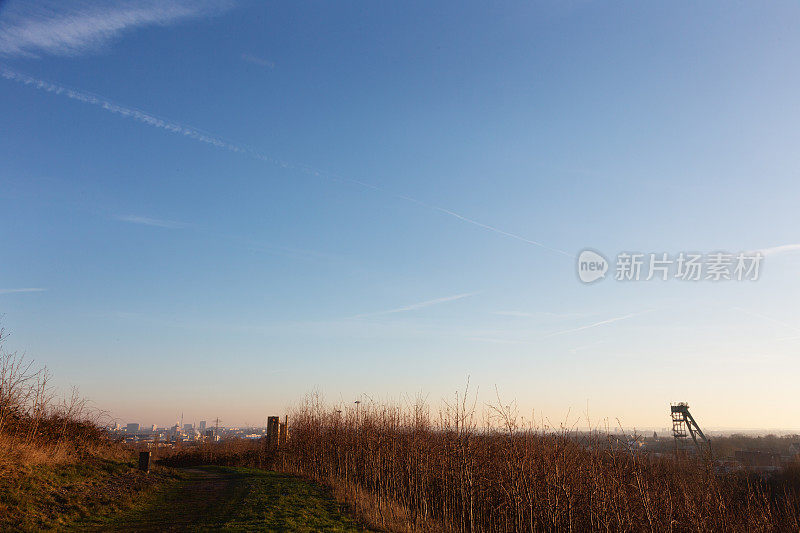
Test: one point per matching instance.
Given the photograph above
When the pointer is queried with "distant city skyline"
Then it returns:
(216, 208)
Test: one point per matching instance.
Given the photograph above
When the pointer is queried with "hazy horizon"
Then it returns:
(217, 207)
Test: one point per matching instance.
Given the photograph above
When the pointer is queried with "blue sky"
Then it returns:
(217, 207)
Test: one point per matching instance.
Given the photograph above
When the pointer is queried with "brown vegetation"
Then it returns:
(36, 427)
(402, 469)
(227, 452)
(501, 476)
(57, 465)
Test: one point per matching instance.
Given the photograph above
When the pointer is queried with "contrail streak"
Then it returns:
(13, 291)
(152, 120)
(589, 326)
(418, 305)
(779, 249)
(486, 226)
(127, 112)
(767, 318)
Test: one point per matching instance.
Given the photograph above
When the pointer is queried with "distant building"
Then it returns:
(201, 426)
(188, 427)
(132, 428)
(154, 428)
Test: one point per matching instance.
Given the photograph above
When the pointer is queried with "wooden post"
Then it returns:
(144, 461)
(285, 429)
(273, 431)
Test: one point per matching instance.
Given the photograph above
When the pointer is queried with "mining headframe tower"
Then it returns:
(684, 426)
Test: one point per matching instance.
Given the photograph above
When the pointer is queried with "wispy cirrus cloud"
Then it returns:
(780, 249)
(32, 29)
(26, 289)
(418, 305)
(592, 325)
(218, 142)
(538, 314)
(147, 221)
(497, 340)
(258, 61)
(767, 318)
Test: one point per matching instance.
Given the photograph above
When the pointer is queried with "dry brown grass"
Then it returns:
(57, 465)
(401, 469)
(38, 428)
(227, 452)
(450, 473)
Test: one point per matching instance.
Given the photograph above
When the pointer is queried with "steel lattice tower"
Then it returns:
(684, 425)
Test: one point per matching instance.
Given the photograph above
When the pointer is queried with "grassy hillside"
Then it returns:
(57, 465)
(59, 470)
(58, 496)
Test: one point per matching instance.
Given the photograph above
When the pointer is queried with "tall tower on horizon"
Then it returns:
(684, 425)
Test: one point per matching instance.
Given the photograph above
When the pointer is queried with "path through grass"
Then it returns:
(236, 499)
